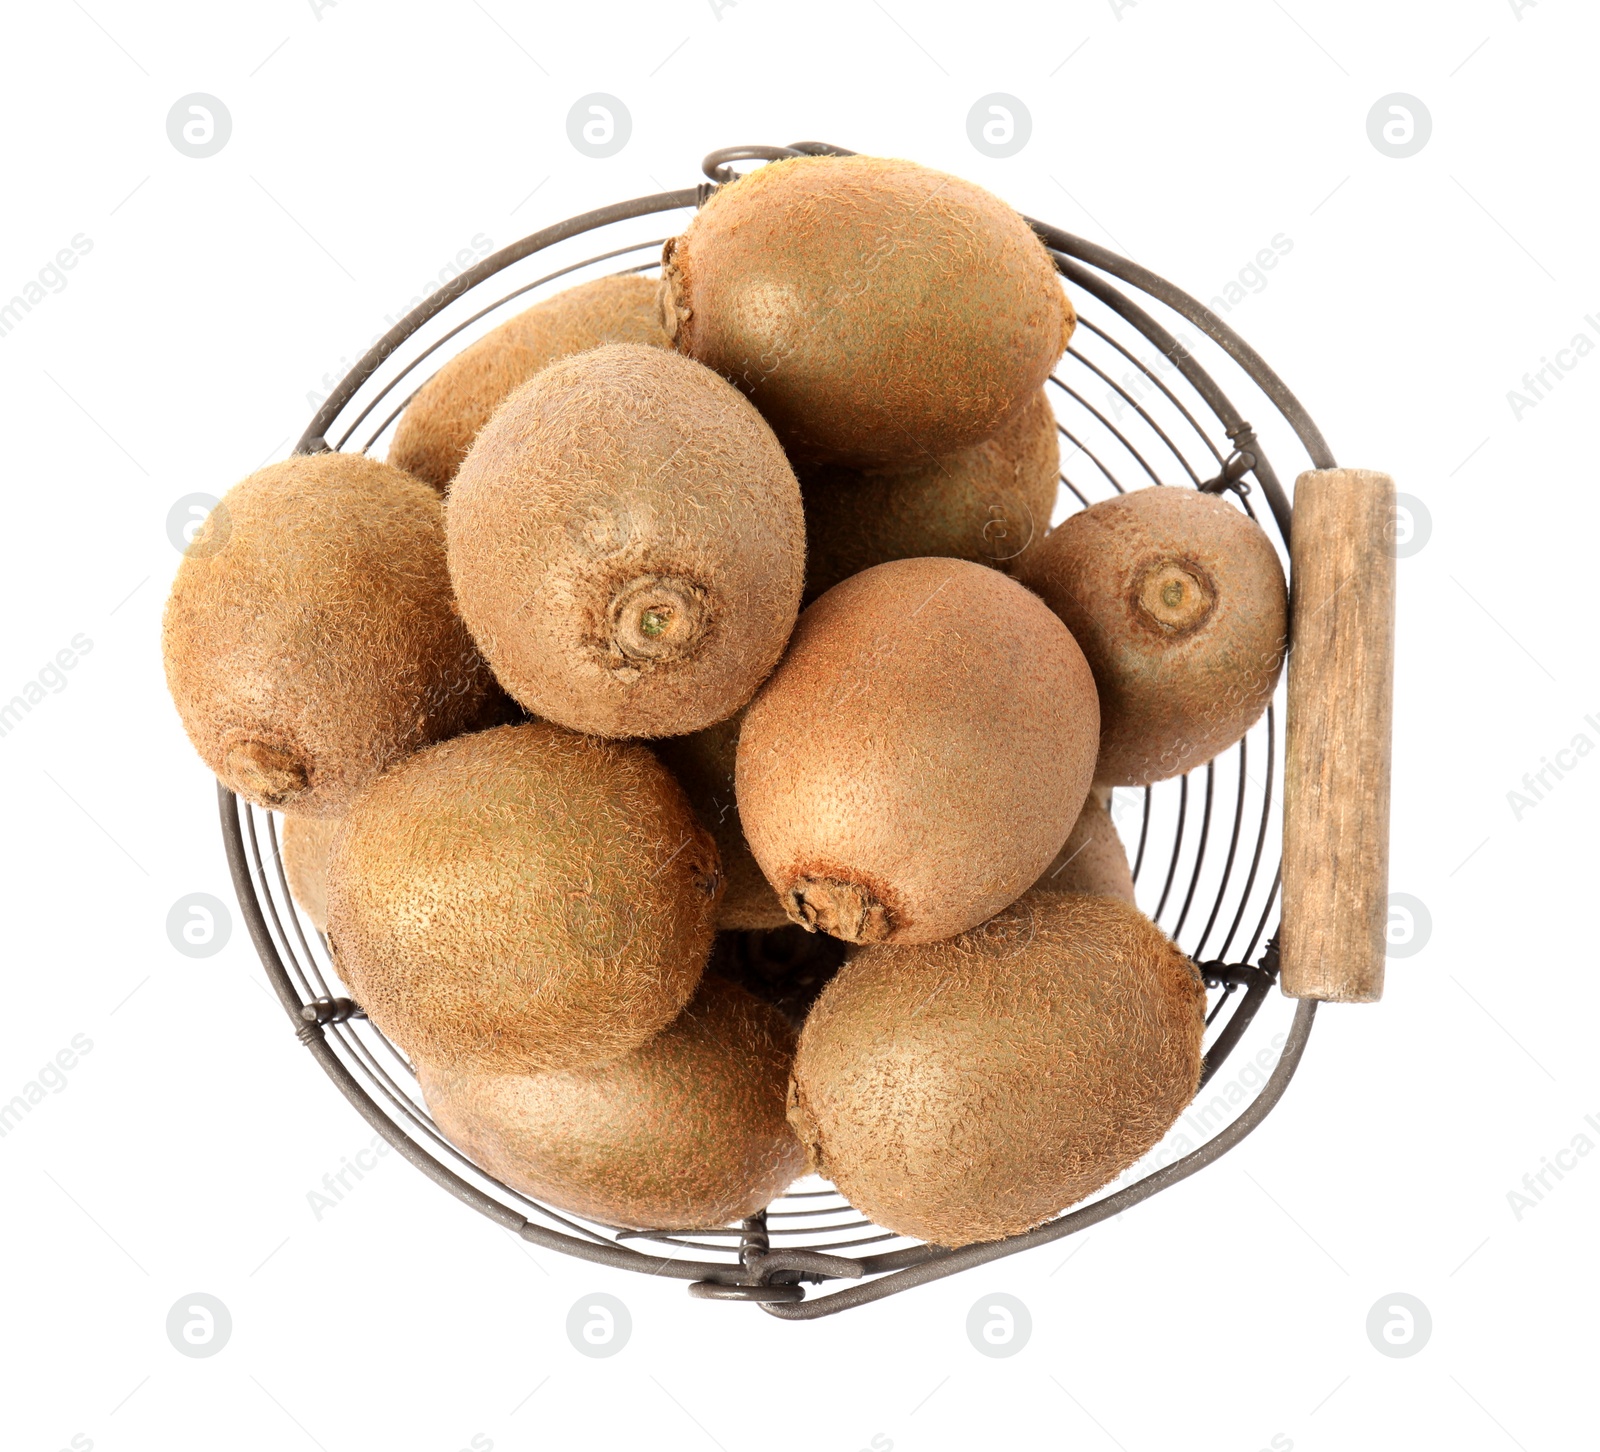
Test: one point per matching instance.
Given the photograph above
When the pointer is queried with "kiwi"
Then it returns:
(304, 848)
(986, 503)
(1094, 859)
(627, 544)
(970, 1090)
(686, 1131)
(920, 754)
(522, 899)
(1179, 602)
(441, 421)
(875, 310)
(311, 639)
(703, 764)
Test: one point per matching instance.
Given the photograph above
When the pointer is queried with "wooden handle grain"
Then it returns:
(1337, 748)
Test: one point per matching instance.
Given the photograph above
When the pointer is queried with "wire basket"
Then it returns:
(1135, 407)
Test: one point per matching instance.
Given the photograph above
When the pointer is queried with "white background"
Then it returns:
(371, 143)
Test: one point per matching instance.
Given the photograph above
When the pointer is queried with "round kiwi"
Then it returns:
(441, 421)
(304, 847)
(522, 899)
(311, 639)
(1179, 602)
(703, 764)
(920, 754)
(986, 503)
(1094, 859)
(686, 1131)
(970, 1090)
(874, 310)
(627, 544)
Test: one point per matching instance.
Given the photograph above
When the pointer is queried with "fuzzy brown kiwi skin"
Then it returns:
(311, 638)
(919, 755)
(305, 846)
(439, 424)
(873, 309)
(687, 1130)
(627, 544)
(1093, 860)
(988, 503)
(1180, 604)
(522, 899)
(703, 763)
(971, 1089)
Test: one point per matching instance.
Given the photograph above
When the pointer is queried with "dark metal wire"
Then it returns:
(746, 1266)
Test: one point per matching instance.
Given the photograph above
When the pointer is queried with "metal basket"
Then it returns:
(1130, 396)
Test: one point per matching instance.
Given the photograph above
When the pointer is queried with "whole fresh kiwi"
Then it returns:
(920, 754)
(305, 846)
(703, 763)
(874, 310)
(1179, 602)
(311, 638)
(986, 503)
(687, 1130)
(970, 1090)
(627, 544)
(445, 415)
(522, 899)
(1094, 859)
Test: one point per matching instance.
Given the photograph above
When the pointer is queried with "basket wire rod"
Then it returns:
(1077, 493)
(1215, 399)
(1177, 845)
(1266, 912)
(1109, 427)
(280, 939)
(323, 990)
(1255, 994)
(483, 312)
(1200, 850)
(927, 1264)
(1233, 846)
(437, 302)
(1144, 836)
(1143, 413)
(1261, 838)
(1203, 318)
(1221, 1003)
(1155, 378)
(1083, 448)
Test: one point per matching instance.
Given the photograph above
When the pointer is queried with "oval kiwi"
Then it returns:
(311, 639)
(703, 763)
(970, 1090)
(522, 899)
(920, 754)
(627, 544)
(305, 846)
(1179, 602)
(873, 309)
(986, 503)
(441, 421)
(1093, 861)
(686, 1131)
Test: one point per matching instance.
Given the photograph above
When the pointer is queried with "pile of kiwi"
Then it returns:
(696, 746)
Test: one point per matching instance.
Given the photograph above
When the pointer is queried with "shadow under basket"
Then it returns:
(1133, 399)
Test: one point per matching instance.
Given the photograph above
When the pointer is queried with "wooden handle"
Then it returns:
(1336, 760)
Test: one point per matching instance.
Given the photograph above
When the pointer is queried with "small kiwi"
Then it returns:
(522, 899)
(1094, 859)
(874, 310)
(686, 1131)
(311, 639)
(920, 754)
(703, 764)
(970, 1090)
(986, 503)
(1179, 602)
(627, 544)
(304, 847)
(441, 421)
